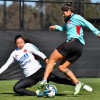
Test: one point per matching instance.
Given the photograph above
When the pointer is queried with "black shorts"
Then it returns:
(72, 50)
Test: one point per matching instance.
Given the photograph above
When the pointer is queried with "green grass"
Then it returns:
(65, 92)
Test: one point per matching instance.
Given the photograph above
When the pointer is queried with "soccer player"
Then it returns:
(25, 54)
(72, 48)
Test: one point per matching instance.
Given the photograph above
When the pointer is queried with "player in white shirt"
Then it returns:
(25, 54)
(32, 69)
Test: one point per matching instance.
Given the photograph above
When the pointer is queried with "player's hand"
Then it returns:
(43, 83)
(52, 27)
(46, 60)
(99, 35)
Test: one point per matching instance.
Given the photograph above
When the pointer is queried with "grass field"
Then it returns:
(65, 92)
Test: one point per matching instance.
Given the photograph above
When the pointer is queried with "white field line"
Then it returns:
(6, 84)
(67, 91)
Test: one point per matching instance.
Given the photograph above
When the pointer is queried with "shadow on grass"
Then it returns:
(58, 95)
(7, 93)
(68, 95)
(14, 94)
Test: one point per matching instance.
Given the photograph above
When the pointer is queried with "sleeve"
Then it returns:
(7, 64)
(61, 28)
(36, 51)
(87, 24)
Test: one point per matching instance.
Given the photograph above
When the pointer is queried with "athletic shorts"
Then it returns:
(71, 50)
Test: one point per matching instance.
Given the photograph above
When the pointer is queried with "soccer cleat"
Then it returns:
(78, 87)
(43, 83)
(39, 93)
(87, 88)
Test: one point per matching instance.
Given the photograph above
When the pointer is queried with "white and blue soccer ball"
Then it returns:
(50, 90)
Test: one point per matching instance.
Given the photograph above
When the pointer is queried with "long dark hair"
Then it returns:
(26, 40)
(68, 6)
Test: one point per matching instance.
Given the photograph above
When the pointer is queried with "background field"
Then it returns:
(65, 92)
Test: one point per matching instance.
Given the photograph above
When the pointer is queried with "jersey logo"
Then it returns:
(25, 50)
(23, 58)
(16, 55)
(69, 21)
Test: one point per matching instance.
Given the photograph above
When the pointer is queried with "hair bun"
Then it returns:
(69, 4)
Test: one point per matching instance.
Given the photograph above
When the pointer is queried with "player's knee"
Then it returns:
(52, 60)
(61, 68)
(16, 89)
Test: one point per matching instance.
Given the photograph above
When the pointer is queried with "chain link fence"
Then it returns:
(40, 14)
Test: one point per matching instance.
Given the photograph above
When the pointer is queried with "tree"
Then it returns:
(42, 15)
(53, 14)
(1, 16)
(13, 16)
(31, 17)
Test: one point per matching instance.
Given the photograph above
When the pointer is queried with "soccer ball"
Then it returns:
(50, 90)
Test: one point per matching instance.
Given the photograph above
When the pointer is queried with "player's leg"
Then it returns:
(55, 56)
(20, 87)
(59, 80)
(69, 73)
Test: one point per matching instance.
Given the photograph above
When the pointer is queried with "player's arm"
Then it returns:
(38, 53)
(7, 64)
(57, 27)
(87, 24)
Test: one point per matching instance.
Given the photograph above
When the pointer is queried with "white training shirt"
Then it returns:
(26, 59)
